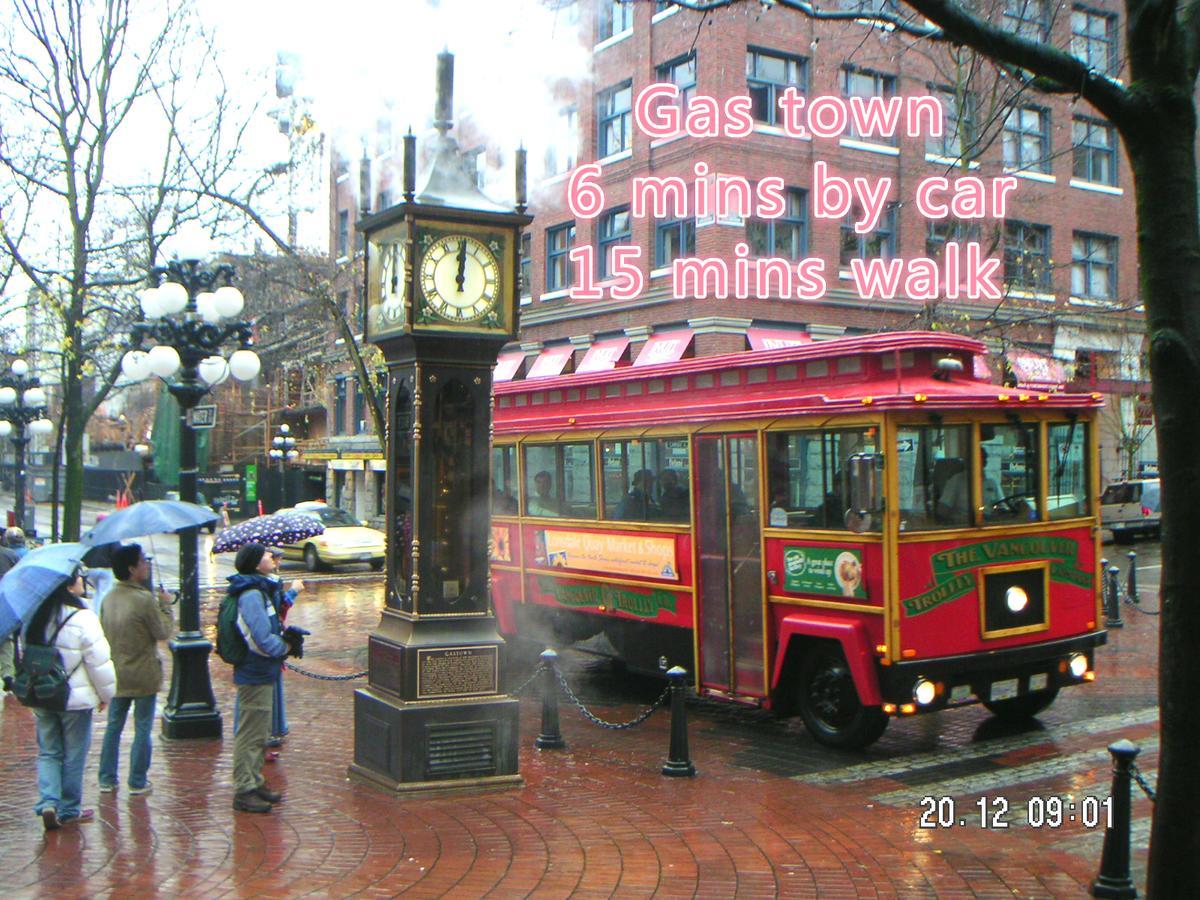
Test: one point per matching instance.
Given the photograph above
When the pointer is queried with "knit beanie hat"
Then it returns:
(248, 558)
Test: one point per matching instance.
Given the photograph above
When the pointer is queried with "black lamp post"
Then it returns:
(22, 405)
(146, 453)
(188, 355)
(283, 448)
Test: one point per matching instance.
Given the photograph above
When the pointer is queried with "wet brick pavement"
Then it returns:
(770, 813)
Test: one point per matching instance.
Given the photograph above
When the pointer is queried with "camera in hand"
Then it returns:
(294, 638)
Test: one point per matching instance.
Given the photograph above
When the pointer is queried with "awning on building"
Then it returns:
(1035, 372)
(665, 347)
(603, 355)
(507, 365)
(776, 338)
(551, 361)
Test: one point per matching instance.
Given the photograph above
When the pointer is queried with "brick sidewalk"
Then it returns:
(770, 813)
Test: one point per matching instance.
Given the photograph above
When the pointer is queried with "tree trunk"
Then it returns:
(73, 446)
(1162, 153)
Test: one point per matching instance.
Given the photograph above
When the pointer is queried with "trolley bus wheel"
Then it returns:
(1023, 707)
(829, 704)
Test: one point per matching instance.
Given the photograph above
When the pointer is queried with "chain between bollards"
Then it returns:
(679, 763)
(1114, 879)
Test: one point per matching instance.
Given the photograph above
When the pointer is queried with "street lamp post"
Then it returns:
(188, 356)
(283, 448)
(22, 403)
(146, 453)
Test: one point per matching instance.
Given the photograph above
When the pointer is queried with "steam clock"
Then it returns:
(441, 293)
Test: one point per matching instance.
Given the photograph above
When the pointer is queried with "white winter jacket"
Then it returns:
(86, 657)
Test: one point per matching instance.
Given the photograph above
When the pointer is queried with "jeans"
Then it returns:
(249, 735)
(143, 725)
(63, 741)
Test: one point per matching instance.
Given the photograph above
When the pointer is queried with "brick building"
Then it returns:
(1068, 314)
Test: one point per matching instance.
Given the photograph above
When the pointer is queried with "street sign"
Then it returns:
(202, 416)
(251, 483)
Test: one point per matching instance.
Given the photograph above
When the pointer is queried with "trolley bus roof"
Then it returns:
(893, 371)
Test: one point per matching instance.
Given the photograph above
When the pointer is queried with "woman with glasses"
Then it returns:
(64, 621)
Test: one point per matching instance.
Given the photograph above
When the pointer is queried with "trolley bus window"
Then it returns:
(1067, 445)
(504, 481)
(1011, 470)
(646, 480)
(808, 485)
(934, 476)
(559, 481)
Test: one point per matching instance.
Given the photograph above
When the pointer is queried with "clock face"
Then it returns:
(460, 278)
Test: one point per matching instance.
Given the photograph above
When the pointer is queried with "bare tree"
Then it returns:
(1154, 111)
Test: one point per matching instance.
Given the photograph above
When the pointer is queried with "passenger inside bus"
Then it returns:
(955, 501)
(543, 502)
(673, 501)
(637, 504)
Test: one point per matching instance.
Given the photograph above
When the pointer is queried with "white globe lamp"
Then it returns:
(172, 298)
(20, 368)
(244, 365)
(230, 301)
(164, 360)
(135, 365)
(213, 369)
(8, 396)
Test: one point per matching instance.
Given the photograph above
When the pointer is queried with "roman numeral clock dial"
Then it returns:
(460, 279)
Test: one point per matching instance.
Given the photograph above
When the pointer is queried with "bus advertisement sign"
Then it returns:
(639, 555)
(824, 569)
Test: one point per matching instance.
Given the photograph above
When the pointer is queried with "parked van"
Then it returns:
(1130, 508)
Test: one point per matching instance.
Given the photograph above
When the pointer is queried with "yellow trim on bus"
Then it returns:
(559, 572)
(826, 604)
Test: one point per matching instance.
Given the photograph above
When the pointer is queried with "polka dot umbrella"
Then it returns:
(274, 530)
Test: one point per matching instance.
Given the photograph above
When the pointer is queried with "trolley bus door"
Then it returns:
(729, 611)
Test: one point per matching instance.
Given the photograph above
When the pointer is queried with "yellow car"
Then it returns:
(345, 540)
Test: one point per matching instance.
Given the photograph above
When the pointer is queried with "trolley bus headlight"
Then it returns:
(924, 691)
(1078, 665)
(1016, 598)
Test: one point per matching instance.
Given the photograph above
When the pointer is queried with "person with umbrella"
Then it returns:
(8, 559)
(61, 618)
(134, 622)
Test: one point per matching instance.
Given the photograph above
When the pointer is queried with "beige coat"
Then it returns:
(134, 623)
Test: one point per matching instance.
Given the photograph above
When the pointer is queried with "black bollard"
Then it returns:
(1131, 583)
(678, 763)
(1114, 879)
(1112, 600)
(551, 737)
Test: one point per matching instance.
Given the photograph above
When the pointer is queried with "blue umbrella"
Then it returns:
(33, 579)
(149, 517)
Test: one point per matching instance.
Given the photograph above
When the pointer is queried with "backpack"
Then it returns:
(231, 643)
(41, 681)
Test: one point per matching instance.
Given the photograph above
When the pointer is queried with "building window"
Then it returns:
(1093, 266)
(680, 72)
(864, 83)
(559, 242)
(613, 109)
(674, 239)
(1027, 139)
(767, 76)
(1027, 18)
(526, 264)
(343, 233)
(614, 229)
(1094, 39)
(1095, 149)
(560, 152)
(385, 198)
(339, 405)
(958, 114)
(942, 231)
(360, 409)
(616, 16)
(877, 244)
(1027, 256)
(786, 236)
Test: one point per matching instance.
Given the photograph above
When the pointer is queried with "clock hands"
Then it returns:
(462, 263)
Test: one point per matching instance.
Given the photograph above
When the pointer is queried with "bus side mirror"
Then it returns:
(866, 482)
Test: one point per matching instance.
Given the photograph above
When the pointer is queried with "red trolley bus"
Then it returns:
(846, 530)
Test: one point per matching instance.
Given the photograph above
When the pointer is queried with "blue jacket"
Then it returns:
(258, 619)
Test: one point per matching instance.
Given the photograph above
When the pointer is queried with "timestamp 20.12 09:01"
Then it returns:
(998, 812)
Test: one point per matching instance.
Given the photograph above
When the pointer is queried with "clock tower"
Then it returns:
(442, 295)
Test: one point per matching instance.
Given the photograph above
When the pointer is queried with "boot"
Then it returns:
(269, 795)
(251, 802)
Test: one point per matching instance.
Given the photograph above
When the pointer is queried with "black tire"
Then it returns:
(828, 702)
(377, 565)
(1024, 707)
(312, 559)
(1122, 537)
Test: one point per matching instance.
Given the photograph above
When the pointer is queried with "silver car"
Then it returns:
(1130, 508)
